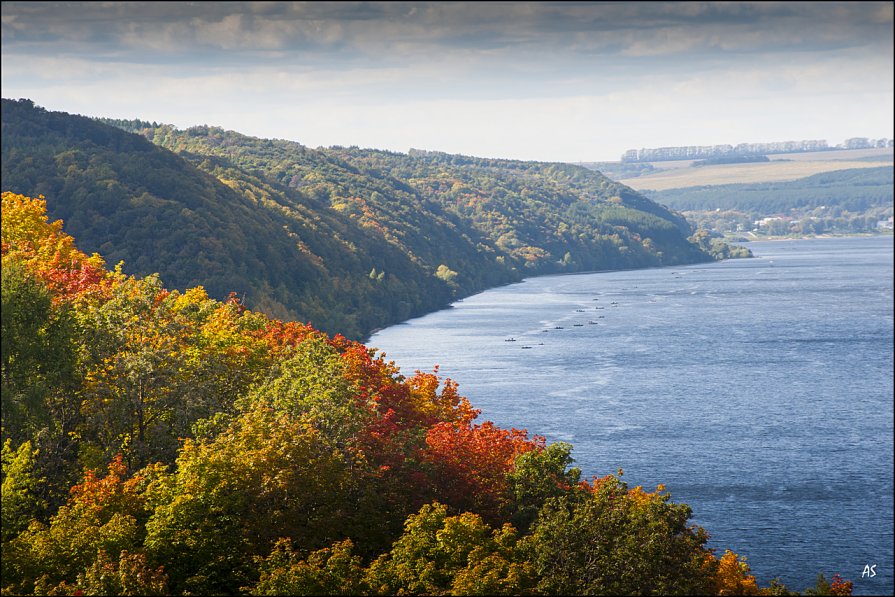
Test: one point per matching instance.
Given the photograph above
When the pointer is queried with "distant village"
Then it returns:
(695, 152)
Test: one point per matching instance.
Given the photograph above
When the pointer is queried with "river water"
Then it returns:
(759, 391)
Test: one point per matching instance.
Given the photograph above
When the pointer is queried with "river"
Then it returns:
(759, 391)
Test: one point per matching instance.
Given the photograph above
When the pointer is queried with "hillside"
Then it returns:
(159, 442)
(855, 200)
(854, 189)
(347, 239)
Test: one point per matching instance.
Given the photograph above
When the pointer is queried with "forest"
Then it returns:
(163, 442)
(347, 239)
(847, 201)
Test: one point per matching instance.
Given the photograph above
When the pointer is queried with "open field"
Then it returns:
(782, 167)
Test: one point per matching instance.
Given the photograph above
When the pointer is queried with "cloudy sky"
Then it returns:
(554, 81)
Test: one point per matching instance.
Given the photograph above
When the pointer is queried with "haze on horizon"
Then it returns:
(551, 81)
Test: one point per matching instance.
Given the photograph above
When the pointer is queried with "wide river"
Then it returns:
(759, 391)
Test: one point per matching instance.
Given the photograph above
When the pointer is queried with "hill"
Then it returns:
(164, 443)
(346, 238)
(854, 189)
(855, 200)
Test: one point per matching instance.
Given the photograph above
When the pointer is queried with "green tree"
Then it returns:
(267, 475)
(39, 356)
(103, 515)
(328, 571)
(312, 385)
(21, 489)
(537, 476)
(615, 541)
(440, 554)
(131, 574)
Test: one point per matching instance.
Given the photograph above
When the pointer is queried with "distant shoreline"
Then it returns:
(806, 237)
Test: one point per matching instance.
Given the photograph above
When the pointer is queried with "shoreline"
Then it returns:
(806, 237)
(368, 337)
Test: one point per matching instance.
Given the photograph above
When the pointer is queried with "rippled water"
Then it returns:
(759, 391)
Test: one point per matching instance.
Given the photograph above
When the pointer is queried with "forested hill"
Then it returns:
(252, 456)
(345, 238)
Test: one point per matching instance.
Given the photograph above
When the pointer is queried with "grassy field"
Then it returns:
(782, 167)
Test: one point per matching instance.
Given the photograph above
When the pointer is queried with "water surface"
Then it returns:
(758, 391)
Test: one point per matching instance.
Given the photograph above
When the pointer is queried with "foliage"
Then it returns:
(611, 540)
(328, 571)
(21, 497)
(440, 554)
(130, 575)
(266, 475)
(537, 476)
(348, 239)
(841, 201)
(103, 516)
(838, 586)
(472, 464)
(733, 576)
(711, 243)
(248, 454)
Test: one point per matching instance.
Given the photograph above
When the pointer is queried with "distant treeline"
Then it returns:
(730, 159)
(691, 152)
(856, 200)
(854, 189)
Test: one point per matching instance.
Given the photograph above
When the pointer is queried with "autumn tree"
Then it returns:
(610, 540)
(104, 515)
(267, 475)
(328, 571)
(440, 554)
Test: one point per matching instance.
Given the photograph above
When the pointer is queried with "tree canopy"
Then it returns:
(163, 442)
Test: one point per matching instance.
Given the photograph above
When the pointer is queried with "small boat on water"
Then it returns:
(510, 340)
(559, 327)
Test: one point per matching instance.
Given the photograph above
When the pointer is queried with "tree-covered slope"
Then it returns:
(289, 255)
(854, 190)
(526, 215)
(157, 442)
(853, 200)
(345, 238)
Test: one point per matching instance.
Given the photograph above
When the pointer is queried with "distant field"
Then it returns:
(782, 167)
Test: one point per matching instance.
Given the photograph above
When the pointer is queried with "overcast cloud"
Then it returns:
(557, 81)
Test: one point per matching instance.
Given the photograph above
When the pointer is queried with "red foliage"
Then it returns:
(839, 586)
(111, 494)
(472, 463)
(280, 335)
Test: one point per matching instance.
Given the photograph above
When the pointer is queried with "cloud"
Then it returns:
(430, 29)
(531, 77)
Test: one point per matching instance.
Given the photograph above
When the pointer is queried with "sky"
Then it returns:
(548, 81)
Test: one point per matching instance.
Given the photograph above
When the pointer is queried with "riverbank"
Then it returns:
(752, 237)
